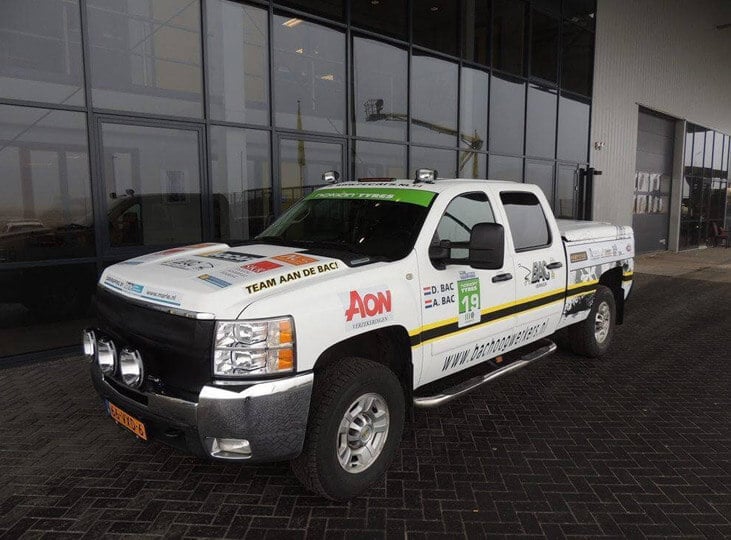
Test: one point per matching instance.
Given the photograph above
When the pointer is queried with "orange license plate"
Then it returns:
(128, 421)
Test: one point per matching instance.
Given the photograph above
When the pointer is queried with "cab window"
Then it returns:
(528, 225)
(463, 213)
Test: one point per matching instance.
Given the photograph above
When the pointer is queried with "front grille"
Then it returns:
(176, 350)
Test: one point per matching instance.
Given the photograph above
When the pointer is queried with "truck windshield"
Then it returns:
(374, 228)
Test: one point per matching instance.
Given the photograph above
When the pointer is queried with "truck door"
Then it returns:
(465, 311)
(540, 266)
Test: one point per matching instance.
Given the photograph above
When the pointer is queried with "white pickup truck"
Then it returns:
(311, 342)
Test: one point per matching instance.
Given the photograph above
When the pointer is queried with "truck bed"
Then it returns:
(591, 231)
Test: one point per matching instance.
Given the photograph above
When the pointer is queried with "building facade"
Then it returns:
(128, 126)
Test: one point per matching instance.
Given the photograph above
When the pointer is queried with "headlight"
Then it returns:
(260, 347)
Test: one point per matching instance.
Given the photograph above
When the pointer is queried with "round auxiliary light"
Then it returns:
(130, 367)
(106, 355)
(89, 341)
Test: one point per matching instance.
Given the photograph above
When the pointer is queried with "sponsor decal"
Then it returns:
(368, 307)
(261, 266)
(191, 265)
(295, 259)
(290, 276)
(491, 348)
(439, 295)
(577, 304)
(231, 256)
(578, 256)
(538, 275)
(410, 196)
(148, 293)
(213, 280)
(468, 294)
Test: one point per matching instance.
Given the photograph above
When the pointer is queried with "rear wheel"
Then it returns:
(593, 336)
(355, 426)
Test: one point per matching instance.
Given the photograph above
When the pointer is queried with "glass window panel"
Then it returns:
(444, 161)
(540, 122)
(551, 6)
(505, 168)
(540, 173)
(577, 59)
(45, 307)
(40, 55)
(580, 12)
(433, 101)
(309, 76)
(476, 31)
(435, 24)
(725, 160)
(241, 182)
(332, 9)
(508, 31)
(544, 46)
(573, 130)
(473, 113)
(472, 164)
(717, 152)
(528, 224)
(384, 16)
(379, 160)
(380, 79)
(688, 159)
(566, 182)
(301, 164)
(708, 155)
(146, 56)
(151, 185)
(507, 115)
(45, 209)
(699, 140)
(238, 65)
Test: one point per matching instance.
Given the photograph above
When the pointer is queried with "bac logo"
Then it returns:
(368, 305)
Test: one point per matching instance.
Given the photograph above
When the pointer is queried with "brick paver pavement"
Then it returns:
(637, 444)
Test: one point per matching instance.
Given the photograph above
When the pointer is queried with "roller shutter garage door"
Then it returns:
(653, 179)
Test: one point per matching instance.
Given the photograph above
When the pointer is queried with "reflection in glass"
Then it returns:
(384, 16)
(45, 307)
(40, 52)
(309, 76)
(151, 185)
(433, 101)
(580, 12)
(45, 208)
(540, 138)
(717, 152)
(566, 183)
(146, 56)
(301, 164)
(238, 78)
(507, 115)
(573, 130)
(708, 156)
(372, 159)
(508, 27)
(472, 164)
(476, 31)
(380, 79)
(577, 59)
(688, 153)
(544, 46)
(433, 158)
(435, 24)
(540, 173)
(241, 182)
(505, 168)
(473, 114)
(699, 140)
(725, 159)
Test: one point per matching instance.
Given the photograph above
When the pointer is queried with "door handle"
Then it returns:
(554, 265)
(502, 277)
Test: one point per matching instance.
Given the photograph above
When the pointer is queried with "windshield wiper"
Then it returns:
(332, 244)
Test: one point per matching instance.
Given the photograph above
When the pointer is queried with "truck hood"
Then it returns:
(216, 278)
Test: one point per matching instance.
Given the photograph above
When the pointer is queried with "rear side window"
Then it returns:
(527, 221)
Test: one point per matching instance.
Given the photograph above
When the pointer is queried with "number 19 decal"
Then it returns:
(468, 293)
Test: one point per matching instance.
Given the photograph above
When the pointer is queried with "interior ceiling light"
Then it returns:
(434, 9)
(291, 23)
(328, 77)
(300, 50)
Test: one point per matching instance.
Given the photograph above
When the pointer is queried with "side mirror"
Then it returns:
(487, 246)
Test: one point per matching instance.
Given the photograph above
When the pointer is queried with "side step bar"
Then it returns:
(448, 394)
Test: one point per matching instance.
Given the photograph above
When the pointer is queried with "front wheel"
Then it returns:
(593, 336)
(355, 426)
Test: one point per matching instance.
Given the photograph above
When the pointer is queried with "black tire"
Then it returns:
(583, 336)
(336, 389)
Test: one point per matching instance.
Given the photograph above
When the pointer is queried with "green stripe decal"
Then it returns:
(410, 196)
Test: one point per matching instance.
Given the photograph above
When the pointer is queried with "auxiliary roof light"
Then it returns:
(426, 175)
